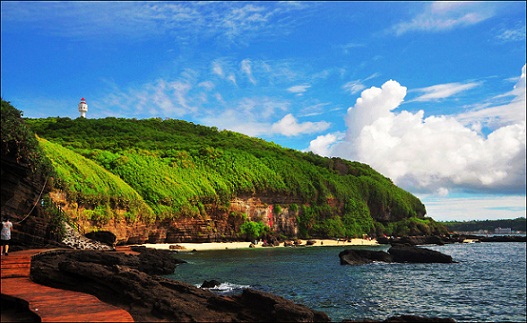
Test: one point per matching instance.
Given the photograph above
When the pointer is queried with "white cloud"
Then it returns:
(440, 16)
(512, 35)
(256, 117)
(217, 69)
(227, 22)
(159, 98)
(434, 154)
(322, 145)
(354, 87)
(289, 126)
(246, 68)
(208, 85)
(299, 89)
(222, 23)
(349, 46)
(232, 78)
(500, 115)
(442, 91)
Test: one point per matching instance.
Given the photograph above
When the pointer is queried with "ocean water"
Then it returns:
(487, 284)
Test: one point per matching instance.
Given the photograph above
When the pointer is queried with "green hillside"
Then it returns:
(88, 183)
(170, 169)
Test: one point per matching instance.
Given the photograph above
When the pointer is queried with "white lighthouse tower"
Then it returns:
(83, 108)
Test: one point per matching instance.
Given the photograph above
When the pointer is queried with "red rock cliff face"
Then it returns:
(218, 224)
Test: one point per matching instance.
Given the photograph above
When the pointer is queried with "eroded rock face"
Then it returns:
(119, 279)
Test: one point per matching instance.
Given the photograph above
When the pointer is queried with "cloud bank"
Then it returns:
(437, 154)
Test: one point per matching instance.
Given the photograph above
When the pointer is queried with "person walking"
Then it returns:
(5, 235)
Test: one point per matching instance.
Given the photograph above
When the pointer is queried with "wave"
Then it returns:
(227, 288)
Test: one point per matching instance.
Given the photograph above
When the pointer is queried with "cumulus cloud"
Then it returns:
(442, 91)
(436, 154)
(323, 145)
(440, 16)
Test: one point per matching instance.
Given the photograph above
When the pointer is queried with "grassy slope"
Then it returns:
(86, 182)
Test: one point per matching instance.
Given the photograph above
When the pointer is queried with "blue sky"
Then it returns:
(431, 94)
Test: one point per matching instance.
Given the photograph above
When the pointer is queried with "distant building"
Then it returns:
(503, 231)
(83, 108)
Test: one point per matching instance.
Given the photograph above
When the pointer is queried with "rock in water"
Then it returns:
(359, 257)
(412, 254)
(210, 283)
(397, 253)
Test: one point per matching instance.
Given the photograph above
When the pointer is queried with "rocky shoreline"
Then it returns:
(134, 283)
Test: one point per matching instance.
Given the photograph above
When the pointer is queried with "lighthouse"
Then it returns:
(83, 108)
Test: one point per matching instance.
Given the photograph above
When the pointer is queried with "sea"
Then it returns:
(486, 284)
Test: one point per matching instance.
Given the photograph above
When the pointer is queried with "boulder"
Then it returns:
(397, 253)
(360, 257)
(119, 279)
(412, 254)
(210, 283)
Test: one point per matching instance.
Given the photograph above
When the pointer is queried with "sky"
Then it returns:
(430, 94)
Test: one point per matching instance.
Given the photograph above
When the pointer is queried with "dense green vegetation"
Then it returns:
(518, 224)
(19, 142)
(88, 183)
(166, 169)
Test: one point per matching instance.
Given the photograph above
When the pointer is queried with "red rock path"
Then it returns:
(52, 304)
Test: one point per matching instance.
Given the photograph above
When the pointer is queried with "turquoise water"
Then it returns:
(487, 284)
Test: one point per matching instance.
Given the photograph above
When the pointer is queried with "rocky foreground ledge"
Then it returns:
(132, 282)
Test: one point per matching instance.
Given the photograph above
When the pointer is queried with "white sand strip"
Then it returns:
(244, 245)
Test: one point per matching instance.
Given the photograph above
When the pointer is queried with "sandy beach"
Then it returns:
(245, 245)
